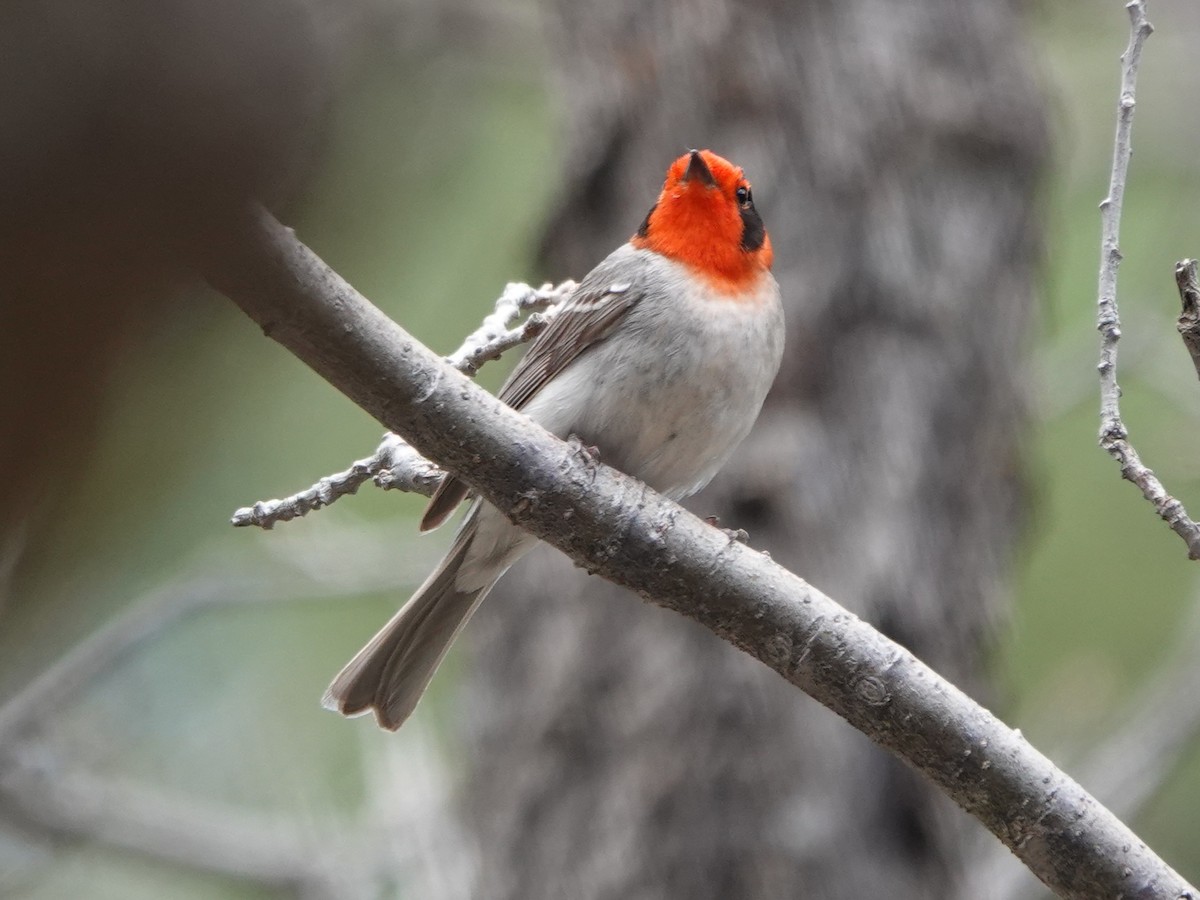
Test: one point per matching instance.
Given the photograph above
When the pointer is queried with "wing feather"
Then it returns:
(588, 317)
(584, 321)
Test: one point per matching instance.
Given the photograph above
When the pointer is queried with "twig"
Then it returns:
(622, 530)
(1189, 319)
(1113, 433)
(1062, 366)
(494, 335)
(395, 465)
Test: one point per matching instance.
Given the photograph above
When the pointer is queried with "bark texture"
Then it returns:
(618, 751)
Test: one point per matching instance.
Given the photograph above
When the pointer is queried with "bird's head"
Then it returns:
(705, 218)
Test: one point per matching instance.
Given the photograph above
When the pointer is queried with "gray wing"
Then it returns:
(587, 318)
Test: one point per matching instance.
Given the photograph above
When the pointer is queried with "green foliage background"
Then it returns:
(428, 198)
(1104, 586)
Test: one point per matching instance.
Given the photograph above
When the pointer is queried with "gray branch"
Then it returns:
(494, 335)
(1114, 437)
(395, 465)
(1188, 324)
(623, 531)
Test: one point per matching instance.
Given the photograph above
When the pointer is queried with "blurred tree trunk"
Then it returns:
(134, 121)
(620, 751)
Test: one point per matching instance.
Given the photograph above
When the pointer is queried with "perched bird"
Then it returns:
(661, 359)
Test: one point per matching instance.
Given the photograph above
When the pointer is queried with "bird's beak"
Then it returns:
(698, 168)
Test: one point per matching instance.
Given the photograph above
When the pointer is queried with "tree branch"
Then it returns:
(395, 465)
(1113, 434)
(622, 530)
(1189, 319)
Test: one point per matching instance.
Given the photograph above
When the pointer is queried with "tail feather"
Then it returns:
(444, 502)
(391, 673)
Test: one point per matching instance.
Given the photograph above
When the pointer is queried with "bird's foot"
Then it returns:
(589, 453)
(735, 535)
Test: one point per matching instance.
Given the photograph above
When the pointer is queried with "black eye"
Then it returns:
(743, 196)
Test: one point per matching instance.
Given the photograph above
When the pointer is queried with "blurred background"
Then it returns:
(929, 172)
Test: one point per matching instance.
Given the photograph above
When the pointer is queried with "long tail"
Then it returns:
(393, 670)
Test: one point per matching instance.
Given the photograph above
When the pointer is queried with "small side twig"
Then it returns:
(395, 465)
(1189, 319)
(494, 335)
(1114, 437)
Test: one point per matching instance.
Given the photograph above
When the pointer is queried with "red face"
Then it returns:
(705, 217)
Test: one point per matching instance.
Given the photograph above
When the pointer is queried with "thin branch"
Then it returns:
(1114, 437)
(1061, 367)
(494, 335)
(395, 465)
(1129, 766)
(1189, 319)
(627, 533)
(1109, 322)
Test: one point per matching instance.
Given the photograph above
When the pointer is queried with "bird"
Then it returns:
(660, 361)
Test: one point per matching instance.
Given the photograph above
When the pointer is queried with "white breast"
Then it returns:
(677, 385)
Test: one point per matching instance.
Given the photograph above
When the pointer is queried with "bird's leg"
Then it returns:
(589, 453)
(740, 535)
